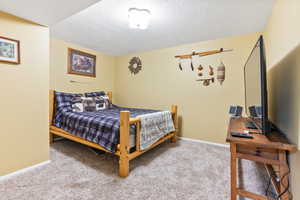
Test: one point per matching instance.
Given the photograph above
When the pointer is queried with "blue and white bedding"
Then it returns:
(101, 127)
(155, 126)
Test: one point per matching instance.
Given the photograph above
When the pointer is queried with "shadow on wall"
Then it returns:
(284, 100)
(284, 94)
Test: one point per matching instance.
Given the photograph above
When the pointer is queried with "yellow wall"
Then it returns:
(60, 80)
(283, 30)
(24, 97)
(203, 110)
(282, 36)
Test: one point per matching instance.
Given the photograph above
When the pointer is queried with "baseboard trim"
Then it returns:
(21, 171)
(204, 142)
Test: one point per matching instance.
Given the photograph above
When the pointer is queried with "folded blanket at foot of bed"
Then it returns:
(155, 126)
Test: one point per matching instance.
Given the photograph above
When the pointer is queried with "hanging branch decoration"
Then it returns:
(206, 81)
(221, 73)
(205, 53)
(211, 70)
(192, 66)
(135, 65)
(200, 67)
(180, 67)
(211, 79)
(200, 54)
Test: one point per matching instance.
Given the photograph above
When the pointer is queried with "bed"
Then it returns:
(120, 131)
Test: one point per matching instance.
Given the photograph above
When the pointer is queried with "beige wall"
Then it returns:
(282, 30)
(282, 36)
(60, 80)
(203, 110)
(24, 97)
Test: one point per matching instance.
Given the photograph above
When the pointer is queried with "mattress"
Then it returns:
(101, 127)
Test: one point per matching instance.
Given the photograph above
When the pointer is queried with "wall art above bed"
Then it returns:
(81, 63)
(135, 65)
(9, 50)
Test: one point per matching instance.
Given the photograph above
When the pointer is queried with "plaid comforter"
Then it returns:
(100, 127)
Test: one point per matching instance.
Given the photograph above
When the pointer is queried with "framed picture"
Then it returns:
(81, 63)
(9, 50)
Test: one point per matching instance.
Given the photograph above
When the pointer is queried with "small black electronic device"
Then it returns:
(250, 125)
(235, 111)
(255, 112)
(241, 135)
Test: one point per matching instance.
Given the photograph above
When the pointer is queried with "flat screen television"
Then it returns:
(256, 96)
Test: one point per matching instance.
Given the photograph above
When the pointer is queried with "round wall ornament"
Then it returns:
(135, 65)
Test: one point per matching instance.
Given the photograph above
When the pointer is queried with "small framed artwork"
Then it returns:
(81, 63)
(9, 50)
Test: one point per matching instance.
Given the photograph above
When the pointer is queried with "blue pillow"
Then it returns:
(63, 104)
(94, 94)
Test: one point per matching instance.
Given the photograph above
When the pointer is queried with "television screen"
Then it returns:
(256, 87)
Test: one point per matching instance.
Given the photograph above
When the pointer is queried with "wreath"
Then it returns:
(135, 65)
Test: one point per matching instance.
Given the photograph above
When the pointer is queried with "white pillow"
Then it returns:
(77, 104)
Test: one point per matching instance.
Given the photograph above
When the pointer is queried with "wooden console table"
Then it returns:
(271, 150)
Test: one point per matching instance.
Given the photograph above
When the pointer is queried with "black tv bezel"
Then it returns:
(264, 92)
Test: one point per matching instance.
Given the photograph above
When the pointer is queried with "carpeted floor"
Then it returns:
(184, 171)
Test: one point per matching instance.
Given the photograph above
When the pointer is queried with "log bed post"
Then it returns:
(175, 120)
(51, 113)
(124, 143)
(109, 94)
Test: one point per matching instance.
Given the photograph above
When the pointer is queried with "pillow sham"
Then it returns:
(89, 104)
(101, 97)
(77, 104)
(102, 102)
(63, 100)
(63, 104)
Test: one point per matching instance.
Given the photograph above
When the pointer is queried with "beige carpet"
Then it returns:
(183, 171)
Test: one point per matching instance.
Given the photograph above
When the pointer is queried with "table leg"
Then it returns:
(283, 173)
(233, 164)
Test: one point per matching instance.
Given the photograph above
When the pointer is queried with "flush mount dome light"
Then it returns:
(138, 18)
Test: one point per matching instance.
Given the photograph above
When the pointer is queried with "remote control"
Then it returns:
(250, 125)
(241, 135)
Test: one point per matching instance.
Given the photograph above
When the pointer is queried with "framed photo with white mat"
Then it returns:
(9, 50)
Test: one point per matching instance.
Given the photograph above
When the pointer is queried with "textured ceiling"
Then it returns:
(104, 25)
(45, 12)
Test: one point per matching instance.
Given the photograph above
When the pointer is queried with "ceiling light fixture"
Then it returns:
(138, 18)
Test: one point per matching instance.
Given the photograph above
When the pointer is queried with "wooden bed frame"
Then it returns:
(123, 148)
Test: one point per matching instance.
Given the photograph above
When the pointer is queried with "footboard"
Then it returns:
(124, 149)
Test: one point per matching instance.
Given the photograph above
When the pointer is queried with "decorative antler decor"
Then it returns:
(135, 65)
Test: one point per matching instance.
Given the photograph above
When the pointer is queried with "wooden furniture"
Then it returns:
(123, 148)
(271, 150)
